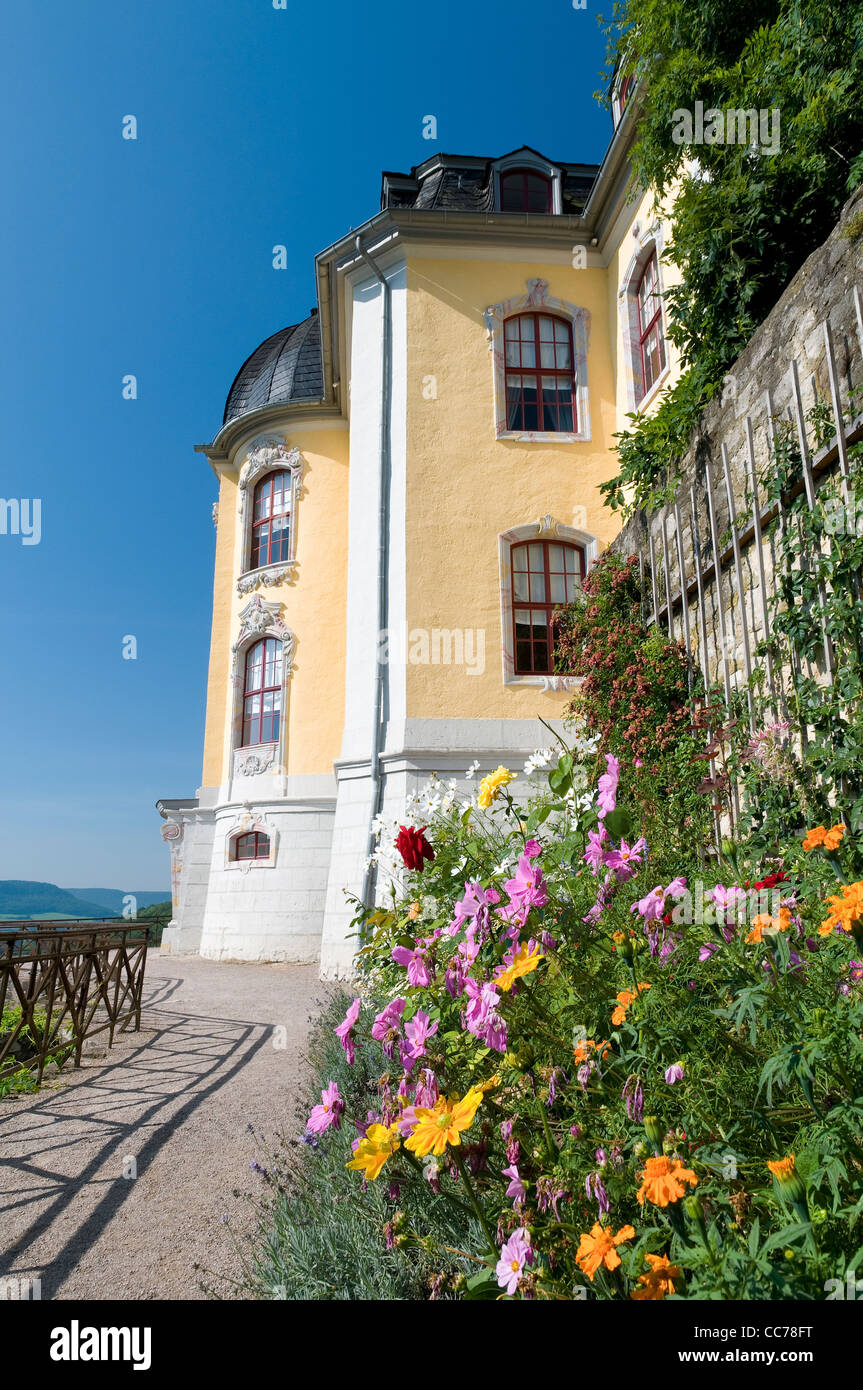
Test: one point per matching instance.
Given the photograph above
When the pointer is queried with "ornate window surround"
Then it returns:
(267, 455)
(647, 241)
(258, 619)
(536, 299)
(545, 528)
(248, 824)
(526, 159)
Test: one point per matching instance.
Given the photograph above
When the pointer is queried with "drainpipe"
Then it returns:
(383, 566)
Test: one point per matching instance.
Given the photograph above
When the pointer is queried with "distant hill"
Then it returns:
(21, 897)
(112, 898)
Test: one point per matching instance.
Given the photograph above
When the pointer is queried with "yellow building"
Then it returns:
(408, 483)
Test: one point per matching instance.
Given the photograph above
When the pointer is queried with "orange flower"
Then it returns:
(846, 909)
(815, 837)
(827, 839)
(599, 1248)
(414, 911)
(765, 924)
(784, 1168)
(659, 1280)
(624, 999)
(583, 1050)
(663, 1181)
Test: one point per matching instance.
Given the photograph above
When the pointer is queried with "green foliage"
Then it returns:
(634, 692)
(712, 1038)
(316, 1240)
(742, 222)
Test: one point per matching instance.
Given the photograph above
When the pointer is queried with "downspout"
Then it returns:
(383, 569)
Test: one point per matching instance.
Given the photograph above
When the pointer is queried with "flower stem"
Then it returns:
(478, 1211)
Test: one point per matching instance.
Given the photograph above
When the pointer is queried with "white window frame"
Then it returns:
(546, 528)
(259, 619)
(537, 300)
(526, 159)
(247, 827)
(646, 243)
(265, 456)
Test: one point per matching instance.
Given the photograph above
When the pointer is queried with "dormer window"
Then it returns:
(525, 190)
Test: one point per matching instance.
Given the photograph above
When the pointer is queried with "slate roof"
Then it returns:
(287, 367)
(453, 182)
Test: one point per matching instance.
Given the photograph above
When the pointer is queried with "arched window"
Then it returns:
(262, 692)
(271, 521)
(254, 845)
(540, 382)
(524, 190)
(651, 338)
(545, 574)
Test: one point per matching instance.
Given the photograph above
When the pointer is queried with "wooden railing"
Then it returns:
(63, 982)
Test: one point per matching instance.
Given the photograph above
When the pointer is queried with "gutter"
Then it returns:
(368, 891)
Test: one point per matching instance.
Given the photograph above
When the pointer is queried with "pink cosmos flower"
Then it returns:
(407, 1120)
(345, 1030)
(707, 950)
(594, 855)
(329, 1112)
(532, 850)
(516, 1190)
(514, 1255)
(674, 1073)
(417, 969)
(386, 1026)
(607, 786)
(417, 1032)
(525, 891)
(626, 860)
(427, 1089)
(652, 906)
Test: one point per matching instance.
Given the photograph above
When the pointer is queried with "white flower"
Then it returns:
(538, 760)
(472, 771)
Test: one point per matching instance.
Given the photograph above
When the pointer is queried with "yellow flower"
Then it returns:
(523, 963)
(658, 1281)
(490, 786)
(443, 1124)
(598, 1248)
(374, 1149)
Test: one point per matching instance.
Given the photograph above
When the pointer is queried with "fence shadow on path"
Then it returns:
(61, 1153)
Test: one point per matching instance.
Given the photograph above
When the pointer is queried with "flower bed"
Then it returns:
(628, 1069)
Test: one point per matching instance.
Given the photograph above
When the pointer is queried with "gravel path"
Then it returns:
(176, 1099)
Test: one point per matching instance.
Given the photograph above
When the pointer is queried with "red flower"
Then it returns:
(413, 847)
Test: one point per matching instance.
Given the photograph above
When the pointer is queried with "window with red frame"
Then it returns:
(524, 190)
(271, 521)
(545, 574)
(262, 693)
(651, 338)
(626, 90)
(540, 381)
(255, 845)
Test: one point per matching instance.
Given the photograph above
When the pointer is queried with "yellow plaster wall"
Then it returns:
(464, 487)
(313, 606)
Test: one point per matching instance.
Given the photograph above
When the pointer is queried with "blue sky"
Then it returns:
(256, 126)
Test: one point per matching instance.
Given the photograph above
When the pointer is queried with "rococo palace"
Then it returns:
(408, 485)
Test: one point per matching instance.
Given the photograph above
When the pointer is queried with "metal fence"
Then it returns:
(63, 982)
(706, 561)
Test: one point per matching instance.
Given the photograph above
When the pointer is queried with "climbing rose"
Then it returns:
(413, 847)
